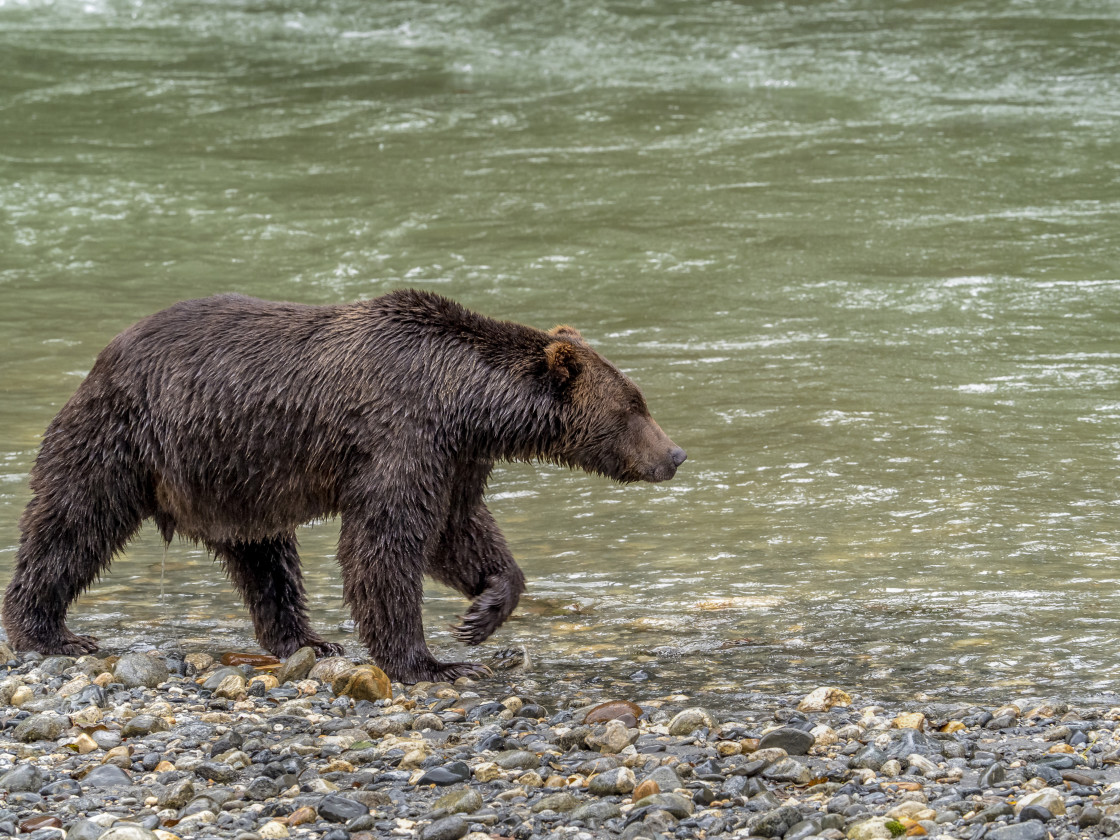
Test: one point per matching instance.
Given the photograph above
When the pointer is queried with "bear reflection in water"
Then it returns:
(231, 421)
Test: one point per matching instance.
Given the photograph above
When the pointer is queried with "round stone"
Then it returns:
(340, 809)
(24, 777)
(689, 720)
(448, 774)
(793, 741)
(42, 727)
(613, 782)
(139, 670)
(449, 828)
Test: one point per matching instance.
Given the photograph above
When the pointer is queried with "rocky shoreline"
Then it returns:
(158, 744)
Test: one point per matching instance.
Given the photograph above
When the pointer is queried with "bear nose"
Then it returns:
(677, 456)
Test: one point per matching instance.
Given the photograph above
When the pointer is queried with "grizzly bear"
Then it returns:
(230, 421)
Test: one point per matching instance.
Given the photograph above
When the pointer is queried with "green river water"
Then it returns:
(861, 257)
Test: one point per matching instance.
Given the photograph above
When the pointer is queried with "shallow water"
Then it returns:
(861, 257)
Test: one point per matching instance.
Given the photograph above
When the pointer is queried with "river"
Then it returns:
(860, 256)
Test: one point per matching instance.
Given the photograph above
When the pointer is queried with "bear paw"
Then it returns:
(65, 644)
(487, 613)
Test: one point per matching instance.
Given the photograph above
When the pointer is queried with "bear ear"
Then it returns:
(563, 361)
(564, 331)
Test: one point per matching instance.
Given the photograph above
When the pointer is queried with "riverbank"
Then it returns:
(159, 744)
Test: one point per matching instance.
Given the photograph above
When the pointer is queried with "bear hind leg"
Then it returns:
(68, 539)
(267, 574)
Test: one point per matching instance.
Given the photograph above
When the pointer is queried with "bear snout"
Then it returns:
(677, 456)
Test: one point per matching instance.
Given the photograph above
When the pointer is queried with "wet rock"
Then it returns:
(596, 812)
(874, 828)
(261, 789)
(297, 666)
(559, 802)
(788, 770)
(869, 758)
(462, 801)
(993, 775)
(340, 809)
(613, 782)
(622, 710)
(450, 774)
(142, 725)
(176, 795)
(1047, 798)
(1019, 831)
(42, 727)
(139, 670)
(84, 829)
(106, 776)
(689, 720)
(366, 682)
(449, 828)
(128, 831)
(24, 777)
(775, 822)
(517, 760)
(326, 670)
(793, 741)
(824, 698)
(613, 737)
(672, 803)
(216, 771)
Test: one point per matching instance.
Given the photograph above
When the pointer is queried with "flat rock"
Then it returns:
(449, 828)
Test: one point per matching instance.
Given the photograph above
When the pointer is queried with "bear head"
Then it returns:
(606, 427)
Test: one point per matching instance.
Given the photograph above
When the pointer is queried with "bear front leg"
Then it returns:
(267, 573)
(474, 559)
(382, 557)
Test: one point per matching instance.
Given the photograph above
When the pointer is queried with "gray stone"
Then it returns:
(340, 809)
(106, 776)
(788, 770)
(24, 777)
(449, 774)
(612, 782)
(216, 678)
(673, 803)
(84, 829)
(297, 666)
(262, 788)
(1033, 830)
(462, 801)
(908, 741)
(42, 727)
(993, 775)
(517, 760)
(596, 812)
(666, 778)
(138, 670)
(803, 829)
(128, 831)
(216, 771)
(869, 758)
(178, 794)
(142, 725)
(561, 803)
(775, 823)
(793, 741)
(449, 828)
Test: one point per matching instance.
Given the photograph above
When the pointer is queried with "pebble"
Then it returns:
(516, 756)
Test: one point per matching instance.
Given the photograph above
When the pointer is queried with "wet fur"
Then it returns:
(231, 421)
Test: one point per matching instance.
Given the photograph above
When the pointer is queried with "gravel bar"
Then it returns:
(158, 744)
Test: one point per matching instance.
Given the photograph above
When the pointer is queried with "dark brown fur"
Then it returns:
(232, 420)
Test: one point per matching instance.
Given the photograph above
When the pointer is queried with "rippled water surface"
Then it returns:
(861, 256)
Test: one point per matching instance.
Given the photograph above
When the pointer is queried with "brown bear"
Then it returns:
(231, 421)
